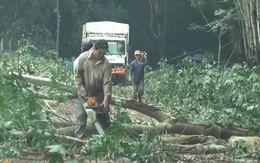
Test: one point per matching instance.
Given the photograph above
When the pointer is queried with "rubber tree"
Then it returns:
(57, 11)
(250, 16)
(159, 22)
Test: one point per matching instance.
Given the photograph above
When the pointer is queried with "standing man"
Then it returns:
(92, 74)
(137, 74)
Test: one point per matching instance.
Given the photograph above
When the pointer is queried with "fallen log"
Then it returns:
(197, 149)
(250, 142)
(47, 81)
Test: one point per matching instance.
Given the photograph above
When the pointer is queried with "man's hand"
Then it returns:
(144, 55)
(105, 104)
(82, 93)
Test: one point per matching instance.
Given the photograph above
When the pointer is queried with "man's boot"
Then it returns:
(139, 98)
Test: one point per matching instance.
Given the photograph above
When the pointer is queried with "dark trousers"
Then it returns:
(137, 90)
(81, 119)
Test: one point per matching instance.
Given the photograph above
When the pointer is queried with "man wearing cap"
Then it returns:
(137, 74)
(92, 75)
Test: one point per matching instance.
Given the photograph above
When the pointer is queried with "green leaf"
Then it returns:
(54, 158)
(8, 124)
(57, 149)
(2, 100)
(251, 107)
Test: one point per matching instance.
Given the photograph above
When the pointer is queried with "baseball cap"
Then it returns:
(102, 46)
(137, 52)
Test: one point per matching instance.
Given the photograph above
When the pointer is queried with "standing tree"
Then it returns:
(250, 16)
(159, 23)
(57, 10)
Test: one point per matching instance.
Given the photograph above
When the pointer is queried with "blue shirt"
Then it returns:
(69, 64)
(137, 70)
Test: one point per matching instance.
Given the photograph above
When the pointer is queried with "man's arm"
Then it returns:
(78, 76)
(107, 86)
(145, 62)
(107, 82)
(131, 71)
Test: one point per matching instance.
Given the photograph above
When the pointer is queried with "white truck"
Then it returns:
(117, 36)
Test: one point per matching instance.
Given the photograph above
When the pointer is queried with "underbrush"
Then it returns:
(202, 91)
(196, 92)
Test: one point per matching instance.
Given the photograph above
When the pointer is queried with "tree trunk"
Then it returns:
(2, 45)
(249, 11)
(58, 27)
(159, 23)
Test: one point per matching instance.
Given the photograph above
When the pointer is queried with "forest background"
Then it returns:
(35, 84)
(165, 28)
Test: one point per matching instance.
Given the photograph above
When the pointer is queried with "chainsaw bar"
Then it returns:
(99, 128)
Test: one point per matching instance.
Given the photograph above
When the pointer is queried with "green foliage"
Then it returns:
(197, 91)
(147, 147)
(223, 19)
(120, 91)
(23, 121)
(109, 10)
(27, 21)
(20, 111)
(222, 24)
(227, 96)
(238, 151)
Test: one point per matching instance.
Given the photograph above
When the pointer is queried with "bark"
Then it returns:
(198, 149)
(152, 111)
(28, 135)
(57, 10)
(190, 128)
(159, 22)
(251, 142)
(2, 45)
(47, 82)
(249, 11)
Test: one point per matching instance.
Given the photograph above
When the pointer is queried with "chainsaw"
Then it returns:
(93, 108)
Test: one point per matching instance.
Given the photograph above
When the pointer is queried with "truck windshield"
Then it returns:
(116, 47)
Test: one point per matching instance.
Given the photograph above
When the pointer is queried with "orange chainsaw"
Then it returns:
(92, 108)
(92, 101)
